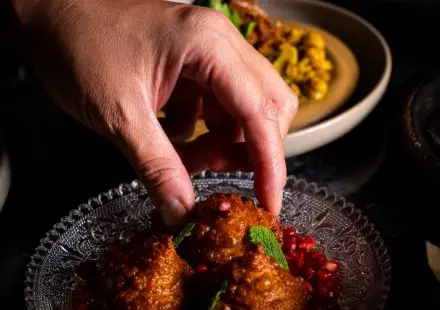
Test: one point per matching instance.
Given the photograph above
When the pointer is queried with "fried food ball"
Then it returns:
(222, 228)
(146, 274)
(256, 281)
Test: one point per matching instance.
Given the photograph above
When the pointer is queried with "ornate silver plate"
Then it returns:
(342, 232)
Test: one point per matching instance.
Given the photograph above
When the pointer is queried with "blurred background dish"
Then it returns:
(373, 56)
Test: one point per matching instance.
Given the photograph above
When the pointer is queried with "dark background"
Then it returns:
(58, 164)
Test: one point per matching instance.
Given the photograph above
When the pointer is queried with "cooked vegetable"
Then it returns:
(185, 232)
(222, 288)
(260, 234)
(299, 56)
(249, 28)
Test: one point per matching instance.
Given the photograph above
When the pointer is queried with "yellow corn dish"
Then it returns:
(301, 59)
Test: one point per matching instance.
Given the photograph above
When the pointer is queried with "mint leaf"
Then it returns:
(185, 232)
(260, 234)
(222, 288)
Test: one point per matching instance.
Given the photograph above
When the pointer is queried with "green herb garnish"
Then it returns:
(235, 18)
(259, 234)
(231, 14)
(185, 232)
(249, 28)
(222, 288)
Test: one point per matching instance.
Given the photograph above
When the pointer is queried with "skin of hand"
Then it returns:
(113, 64)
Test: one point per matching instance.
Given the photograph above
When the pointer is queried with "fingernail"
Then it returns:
(172, 212)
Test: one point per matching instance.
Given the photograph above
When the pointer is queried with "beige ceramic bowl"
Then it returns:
(373, 57)
(363, 67)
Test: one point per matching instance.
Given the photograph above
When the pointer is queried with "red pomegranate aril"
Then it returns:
(299, 260)
(315, 259)
(321, 275)
(290, 256)
(326, 284)
(308, 286)
(224, 206)
(201, 268)
(308, 273)
(293, 270)
(307, 243)
(331, 266)
(290, 245)
(289, 232)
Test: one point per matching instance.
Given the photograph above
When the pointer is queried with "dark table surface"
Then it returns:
(57, 164)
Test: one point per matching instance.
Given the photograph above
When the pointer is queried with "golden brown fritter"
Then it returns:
(222, 227)
(256, 281)
(146, 274)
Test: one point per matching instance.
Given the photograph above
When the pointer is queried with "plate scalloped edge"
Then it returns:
(124, 189)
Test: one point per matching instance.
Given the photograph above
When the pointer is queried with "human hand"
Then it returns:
(113, 64)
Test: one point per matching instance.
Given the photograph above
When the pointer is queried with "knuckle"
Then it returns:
(267, 109)
(289, 107)
(213, 19)
(194, 19)
(157, 171)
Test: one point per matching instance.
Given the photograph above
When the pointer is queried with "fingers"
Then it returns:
(258, 100)
(159, 166)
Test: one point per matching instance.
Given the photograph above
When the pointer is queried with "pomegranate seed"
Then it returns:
(292, 268)
(320, 275)
(309, 287)
(308, 273)
(224, 206)
(307, 243)
(290, 245)
(289, 232)
(290, 256)
(327, 284)
(299, 261)
(331, 266)
(315, 259)
(201, 268)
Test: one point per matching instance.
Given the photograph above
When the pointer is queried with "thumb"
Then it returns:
(158, 165)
